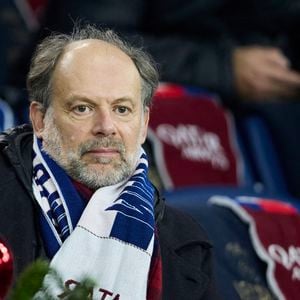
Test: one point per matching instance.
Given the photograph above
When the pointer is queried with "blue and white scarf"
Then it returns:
(109, 241)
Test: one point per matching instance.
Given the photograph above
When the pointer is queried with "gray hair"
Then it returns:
(49, 51)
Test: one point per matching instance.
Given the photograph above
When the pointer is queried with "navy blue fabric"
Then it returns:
(234, 258)
(134, 222)
(57, 211)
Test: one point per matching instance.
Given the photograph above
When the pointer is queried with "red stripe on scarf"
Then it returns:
(83, 190)
(154, 290)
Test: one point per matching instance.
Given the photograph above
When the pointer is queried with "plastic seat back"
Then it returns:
(194, 140)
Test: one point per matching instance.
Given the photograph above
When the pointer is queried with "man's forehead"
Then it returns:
(93, 53)
(93, 47)
(94, 66)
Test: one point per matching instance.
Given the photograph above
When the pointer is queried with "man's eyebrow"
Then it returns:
(70, 100)
(124, 99)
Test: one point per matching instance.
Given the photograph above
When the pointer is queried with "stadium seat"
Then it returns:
(194, 141)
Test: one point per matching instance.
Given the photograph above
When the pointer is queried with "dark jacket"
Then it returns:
(186, 253)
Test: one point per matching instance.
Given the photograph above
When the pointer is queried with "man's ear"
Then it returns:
(145, 124)
(37, 117)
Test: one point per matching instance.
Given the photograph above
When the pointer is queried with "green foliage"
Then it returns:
(31, 282)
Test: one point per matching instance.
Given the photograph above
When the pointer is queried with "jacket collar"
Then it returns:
(17, 146)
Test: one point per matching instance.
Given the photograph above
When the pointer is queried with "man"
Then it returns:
(75, 188)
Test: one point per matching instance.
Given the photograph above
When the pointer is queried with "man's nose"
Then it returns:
(104, 123)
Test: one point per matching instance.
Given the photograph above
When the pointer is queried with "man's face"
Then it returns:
(96, 122)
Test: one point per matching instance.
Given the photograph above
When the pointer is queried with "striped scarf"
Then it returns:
(110, 240)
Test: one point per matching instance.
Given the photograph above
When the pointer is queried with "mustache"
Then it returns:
(104, 142)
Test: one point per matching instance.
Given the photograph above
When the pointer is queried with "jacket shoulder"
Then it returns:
(182, 226)
(16, 156)
(9, 135)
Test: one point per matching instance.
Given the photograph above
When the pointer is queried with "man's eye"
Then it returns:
(122, 110)
(82, 109)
